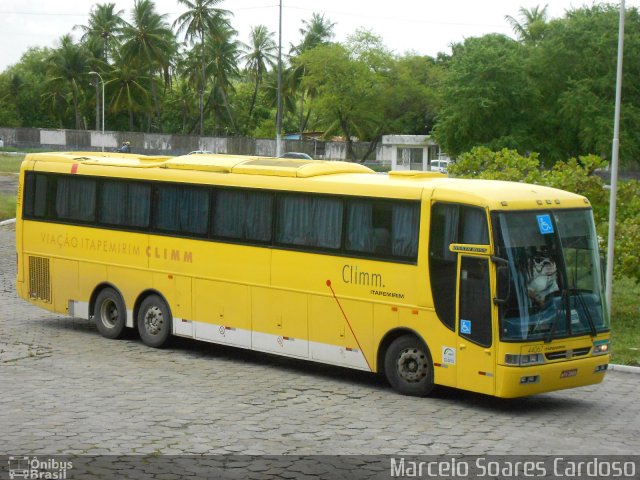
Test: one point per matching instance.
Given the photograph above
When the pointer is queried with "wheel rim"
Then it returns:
(109, 313)
(412, 365)
(153, 320)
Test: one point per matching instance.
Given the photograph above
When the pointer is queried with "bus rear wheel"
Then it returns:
(110, 313)
(154, 321)
(408, 366)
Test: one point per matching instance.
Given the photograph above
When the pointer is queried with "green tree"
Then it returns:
(412, 103)
(201, 16)
(487, 97)
(222, 51)
(575, 70)
(129, 88)
(314, 32)
(68, 67)
(532, 24)
(259, 55)
(348, 93)
(104, 27)
(150, 44)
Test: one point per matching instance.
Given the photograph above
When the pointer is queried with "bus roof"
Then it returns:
(322, 176)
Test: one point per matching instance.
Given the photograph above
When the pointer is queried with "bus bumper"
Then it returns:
(515, 382)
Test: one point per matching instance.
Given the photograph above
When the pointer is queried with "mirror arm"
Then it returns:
(501, 260)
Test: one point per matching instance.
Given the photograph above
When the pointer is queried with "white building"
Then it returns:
(409, 152)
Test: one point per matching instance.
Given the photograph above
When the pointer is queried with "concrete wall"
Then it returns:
(159, 144)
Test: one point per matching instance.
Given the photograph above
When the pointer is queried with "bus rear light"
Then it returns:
(524, 360)
(529, 379)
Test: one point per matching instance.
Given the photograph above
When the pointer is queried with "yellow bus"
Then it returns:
(487, 286)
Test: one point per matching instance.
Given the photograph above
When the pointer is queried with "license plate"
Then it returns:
(569, 373)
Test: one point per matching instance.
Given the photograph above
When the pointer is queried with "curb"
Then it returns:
(7, 222)
(623, 368)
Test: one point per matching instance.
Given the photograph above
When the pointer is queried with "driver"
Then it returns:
(543, 277)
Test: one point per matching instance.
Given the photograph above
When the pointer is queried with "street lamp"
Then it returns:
(101, 81)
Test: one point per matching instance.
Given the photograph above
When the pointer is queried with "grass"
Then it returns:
(7, 206)
(10, 164)
(625, 322)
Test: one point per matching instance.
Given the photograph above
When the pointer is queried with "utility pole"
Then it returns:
(614, 164)
(279, 114)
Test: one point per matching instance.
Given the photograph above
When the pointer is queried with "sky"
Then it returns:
(421, 26)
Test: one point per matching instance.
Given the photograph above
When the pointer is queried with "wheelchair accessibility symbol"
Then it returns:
(465, 327)
(544, 224)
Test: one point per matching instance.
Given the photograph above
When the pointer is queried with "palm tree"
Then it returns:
(201, 16)
(532, 25)
(260, 55)
(69, 65)
(129, 87)
(150, 43)
(105, 25)
(221, 52)
(181, 99)
(315, 32)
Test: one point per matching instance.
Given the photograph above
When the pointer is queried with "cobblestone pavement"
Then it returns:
(67, 390)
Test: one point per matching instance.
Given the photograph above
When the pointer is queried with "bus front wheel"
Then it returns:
(408, 366)
(154, 321)
(110, 313)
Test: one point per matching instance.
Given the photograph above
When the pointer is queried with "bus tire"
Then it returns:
(154, 321)
(110, 313)
(408, 366)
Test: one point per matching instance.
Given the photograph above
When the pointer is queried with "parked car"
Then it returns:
(199, 152)
(440, 165)
(299, 155)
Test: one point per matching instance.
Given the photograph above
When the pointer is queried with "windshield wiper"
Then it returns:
(585, 308)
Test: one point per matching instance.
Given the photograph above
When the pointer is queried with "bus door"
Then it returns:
(476, 350)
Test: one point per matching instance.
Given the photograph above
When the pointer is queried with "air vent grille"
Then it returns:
(39, 279)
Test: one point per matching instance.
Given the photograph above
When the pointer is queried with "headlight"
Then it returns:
(524, 360)
(601, 347)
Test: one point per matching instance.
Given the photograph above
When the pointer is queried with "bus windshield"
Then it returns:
(554, 277)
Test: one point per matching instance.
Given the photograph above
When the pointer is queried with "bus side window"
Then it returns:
(124, 204)
(181, 209)
(309, 221)
(243, 215)
(384, 229)
(76, 199)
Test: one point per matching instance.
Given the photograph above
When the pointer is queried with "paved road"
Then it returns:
(67, 390)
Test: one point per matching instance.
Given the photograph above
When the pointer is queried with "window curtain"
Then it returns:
(124, 204)
(182, 209)
(360, 233)
(451, 217)
(258, 218)
(309, 221)
(243, 215)
(474, 229)
(76, 199)
(404, 230)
